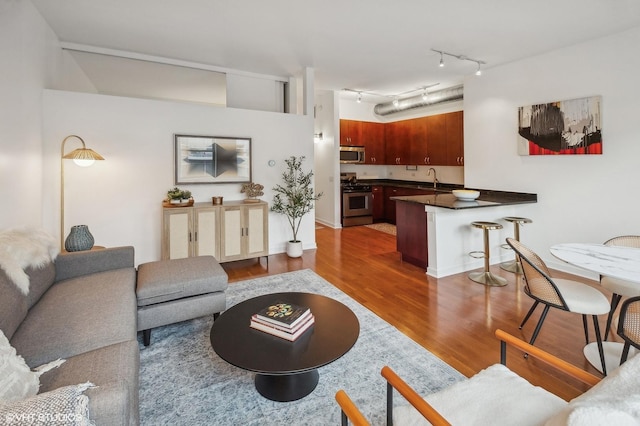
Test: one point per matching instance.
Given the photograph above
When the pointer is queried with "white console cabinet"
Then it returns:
(232, 231)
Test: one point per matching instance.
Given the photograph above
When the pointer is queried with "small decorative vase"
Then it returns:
(294, 248)
(79, 239)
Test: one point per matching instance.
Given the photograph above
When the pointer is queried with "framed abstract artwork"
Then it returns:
(572, 127)
(212, 159)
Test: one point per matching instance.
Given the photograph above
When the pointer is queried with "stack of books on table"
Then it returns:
(284, 320)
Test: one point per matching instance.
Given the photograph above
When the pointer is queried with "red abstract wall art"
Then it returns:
(570, 127)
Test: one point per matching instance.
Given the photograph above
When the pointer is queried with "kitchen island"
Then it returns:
(434, 232)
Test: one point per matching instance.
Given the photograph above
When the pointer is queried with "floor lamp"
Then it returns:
(83, 157)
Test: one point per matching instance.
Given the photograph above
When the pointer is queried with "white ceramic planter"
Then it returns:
(294, 248)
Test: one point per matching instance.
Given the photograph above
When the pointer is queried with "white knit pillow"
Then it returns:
(17, 381)
(63, 406)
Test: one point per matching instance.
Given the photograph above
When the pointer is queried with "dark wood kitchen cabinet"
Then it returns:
(418, 142)
(373, 141)
(454, 123)
(444, 140)
(350, 132)
(389, 204)
(411, 238)
(377, 194)
(398, 191)
(397, 144)
(436, 139)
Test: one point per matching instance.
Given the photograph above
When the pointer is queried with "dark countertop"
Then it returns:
(447, 187)
(444, 198)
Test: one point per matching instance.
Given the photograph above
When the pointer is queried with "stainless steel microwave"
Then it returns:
(351, 154)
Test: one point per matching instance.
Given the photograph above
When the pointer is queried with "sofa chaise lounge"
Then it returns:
(81, 308)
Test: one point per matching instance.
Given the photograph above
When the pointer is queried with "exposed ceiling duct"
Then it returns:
(433, 98)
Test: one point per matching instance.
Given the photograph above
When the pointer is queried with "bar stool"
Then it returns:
(514, 265)
(486, 277)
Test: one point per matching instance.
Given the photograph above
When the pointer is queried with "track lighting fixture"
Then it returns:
(460, 57)
(396, 98)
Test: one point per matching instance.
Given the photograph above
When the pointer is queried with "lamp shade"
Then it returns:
(83, 156)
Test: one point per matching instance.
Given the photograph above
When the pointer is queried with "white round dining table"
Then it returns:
(613, 261)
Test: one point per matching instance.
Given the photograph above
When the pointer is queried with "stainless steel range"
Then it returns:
(357, 201)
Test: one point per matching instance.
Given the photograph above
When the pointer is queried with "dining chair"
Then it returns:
(617, 286)
(567, 295)
(629, 325)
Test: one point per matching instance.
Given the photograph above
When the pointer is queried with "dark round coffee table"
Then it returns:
(286, 371)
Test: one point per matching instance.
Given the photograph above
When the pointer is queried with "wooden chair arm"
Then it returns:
(435, 418)
(544, 356)
(427, 411)
(349, 410)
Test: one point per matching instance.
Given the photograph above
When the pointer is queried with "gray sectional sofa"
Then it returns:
(81, 308)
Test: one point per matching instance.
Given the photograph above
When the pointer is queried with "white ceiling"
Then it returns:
(370, 45)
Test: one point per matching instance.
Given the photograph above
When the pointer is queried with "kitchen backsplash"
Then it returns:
(445, 174)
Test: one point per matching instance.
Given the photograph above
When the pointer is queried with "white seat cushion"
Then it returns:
(495, 396)
(621, 287)
(581, 298)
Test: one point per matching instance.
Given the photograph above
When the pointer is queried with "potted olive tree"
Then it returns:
(294, 198)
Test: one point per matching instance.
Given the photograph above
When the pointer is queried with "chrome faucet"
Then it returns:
(435, 179)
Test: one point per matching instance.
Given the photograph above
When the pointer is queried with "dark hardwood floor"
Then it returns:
(453, 317)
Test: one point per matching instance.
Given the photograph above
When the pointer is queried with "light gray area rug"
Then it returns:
(183, 382)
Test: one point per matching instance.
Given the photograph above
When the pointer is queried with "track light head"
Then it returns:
(395, 102)
(461, 58)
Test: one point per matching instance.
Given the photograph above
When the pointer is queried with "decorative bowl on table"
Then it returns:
(465, 194)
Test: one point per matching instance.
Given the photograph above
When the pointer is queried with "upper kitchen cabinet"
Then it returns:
(373, 141)
(397, 143)
(351, 132)
(437, 139)
(454, 123)
(419, 152)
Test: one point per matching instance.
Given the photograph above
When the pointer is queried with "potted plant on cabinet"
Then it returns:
(174, 195)
(178, 198)
(294, 198)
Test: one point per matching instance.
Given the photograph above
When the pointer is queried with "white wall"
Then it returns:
(120, 198)
(580, 198)
(326, 167)
(254, 93)
(31, 60)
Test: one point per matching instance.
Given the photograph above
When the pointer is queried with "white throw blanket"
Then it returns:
(613, 401)
(21, 248)
(494, 396)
